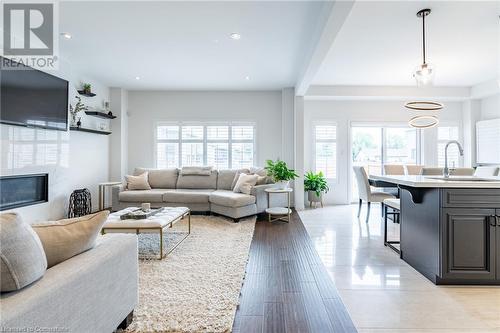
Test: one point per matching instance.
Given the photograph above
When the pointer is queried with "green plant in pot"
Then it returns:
(280, 172)
(316, 185)
(87, 88)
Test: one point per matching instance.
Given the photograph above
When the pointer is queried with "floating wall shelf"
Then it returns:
(89, 130)
(99, 114)
(82, 92)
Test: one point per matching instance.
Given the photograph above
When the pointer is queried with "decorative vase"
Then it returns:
(79, 123)
(282, 184)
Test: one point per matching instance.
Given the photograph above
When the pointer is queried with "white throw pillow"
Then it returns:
(245, 183)
(22, 258)
(138, 182)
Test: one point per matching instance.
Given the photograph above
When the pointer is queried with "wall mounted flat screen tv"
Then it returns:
(29, 97)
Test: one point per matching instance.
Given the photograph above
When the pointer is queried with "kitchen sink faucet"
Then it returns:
(446, 171)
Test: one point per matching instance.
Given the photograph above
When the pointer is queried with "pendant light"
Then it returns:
(424, 73)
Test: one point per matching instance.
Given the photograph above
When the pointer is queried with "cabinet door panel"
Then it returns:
(468, 244)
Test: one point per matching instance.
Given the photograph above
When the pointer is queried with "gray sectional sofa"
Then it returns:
(200, 193)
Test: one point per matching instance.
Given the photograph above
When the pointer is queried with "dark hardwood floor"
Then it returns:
(286, 287)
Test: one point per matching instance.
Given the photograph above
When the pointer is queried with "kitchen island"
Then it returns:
(450, 229)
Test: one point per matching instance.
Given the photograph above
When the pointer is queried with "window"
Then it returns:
(220, 146)
(445, 134)
(325, 150)
(375, 146)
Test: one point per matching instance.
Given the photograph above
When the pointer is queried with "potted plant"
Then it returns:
(279, 171)
(87, 88)
(79, 106)
(315, 184)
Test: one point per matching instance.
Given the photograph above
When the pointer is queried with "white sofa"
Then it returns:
(199, 193)
(95, 291)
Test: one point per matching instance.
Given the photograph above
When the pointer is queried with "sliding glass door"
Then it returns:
(374, 146)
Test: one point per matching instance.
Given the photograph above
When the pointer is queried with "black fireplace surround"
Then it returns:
(23, 190)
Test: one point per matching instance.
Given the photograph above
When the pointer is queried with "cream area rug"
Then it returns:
(196, 287)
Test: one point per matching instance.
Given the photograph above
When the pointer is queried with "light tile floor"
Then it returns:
(384, 294)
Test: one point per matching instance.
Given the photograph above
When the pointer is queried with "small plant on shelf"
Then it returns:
(280, 172)
(79, 106)
(316, 185)
(87, 88)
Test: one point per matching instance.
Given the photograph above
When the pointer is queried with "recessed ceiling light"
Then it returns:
(235, 36)
(66, 35)
(247, 78)
(137, 78)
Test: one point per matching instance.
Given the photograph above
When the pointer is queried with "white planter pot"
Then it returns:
(282, 185)
(313, 197)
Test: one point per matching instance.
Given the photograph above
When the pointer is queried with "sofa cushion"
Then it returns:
(197, 182)
(66, 238)
(22, 258)
(226, 178)
(187, 196)
(245, 183)
(230, 199)
(153, 195)
(196, 171)
(138, 182)
(160, 178)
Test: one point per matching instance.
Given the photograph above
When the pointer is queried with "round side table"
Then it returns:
(102, 192)
(279, 213)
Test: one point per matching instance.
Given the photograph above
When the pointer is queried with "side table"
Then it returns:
(279, 213)
(102, 192)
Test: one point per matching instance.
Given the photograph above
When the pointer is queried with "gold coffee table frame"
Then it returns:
(160, 231)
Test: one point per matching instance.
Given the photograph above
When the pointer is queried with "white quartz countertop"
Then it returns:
(430, 181)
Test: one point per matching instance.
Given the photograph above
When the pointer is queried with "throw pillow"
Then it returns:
(138, 182)
(22, 259)
(66, 238)
(196, 171)
(261, 180)
(245, 183)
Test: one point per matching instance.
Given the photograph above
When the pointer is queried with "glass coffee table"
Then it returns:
(279, 213)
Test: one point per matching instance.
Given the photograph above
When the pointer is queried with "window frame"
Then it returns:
(179, 141)
(314, 141)
(438, 141)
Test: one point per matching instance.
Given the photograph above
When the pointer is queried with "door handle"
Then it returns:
(493, 220)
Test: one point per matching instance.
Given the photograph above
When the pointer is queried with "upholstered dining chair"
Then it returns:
(485, 171)
(461, 172)
(414, 169)
(365, 192)
(394, 169)
(432, 171)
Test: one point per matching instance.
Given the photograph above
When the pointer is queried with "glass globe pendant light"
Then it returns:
(424, 73)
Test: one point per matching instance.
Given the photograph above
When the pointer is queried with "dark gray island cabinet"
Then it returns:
(449, 233)
(452, 236)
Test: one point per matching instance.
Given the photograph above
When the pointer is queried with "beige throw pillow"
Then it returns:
(138, 182)
(22, 259)
(66, 238)
(245, 183)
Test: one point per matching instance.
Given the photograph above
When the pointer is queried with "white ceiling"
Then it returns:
(380, 44)
(186, 45)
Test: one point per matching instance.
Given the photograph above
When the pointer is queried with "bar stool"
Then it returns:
(395, 206)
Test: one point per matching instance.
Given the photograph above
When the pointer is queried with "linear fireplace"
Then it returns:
(23, 190)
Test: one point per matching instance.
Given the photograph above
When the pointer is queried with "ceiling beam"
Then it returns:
(335, 14)
(387, 93)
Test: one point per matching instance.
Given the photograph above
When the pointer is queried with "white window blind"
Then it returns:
(325, 150)
(220, 146)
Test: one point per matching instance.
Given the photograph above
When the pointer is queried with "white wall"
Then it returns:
(146, 108)
(490, 107)
(72, 159)
(343, 113)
